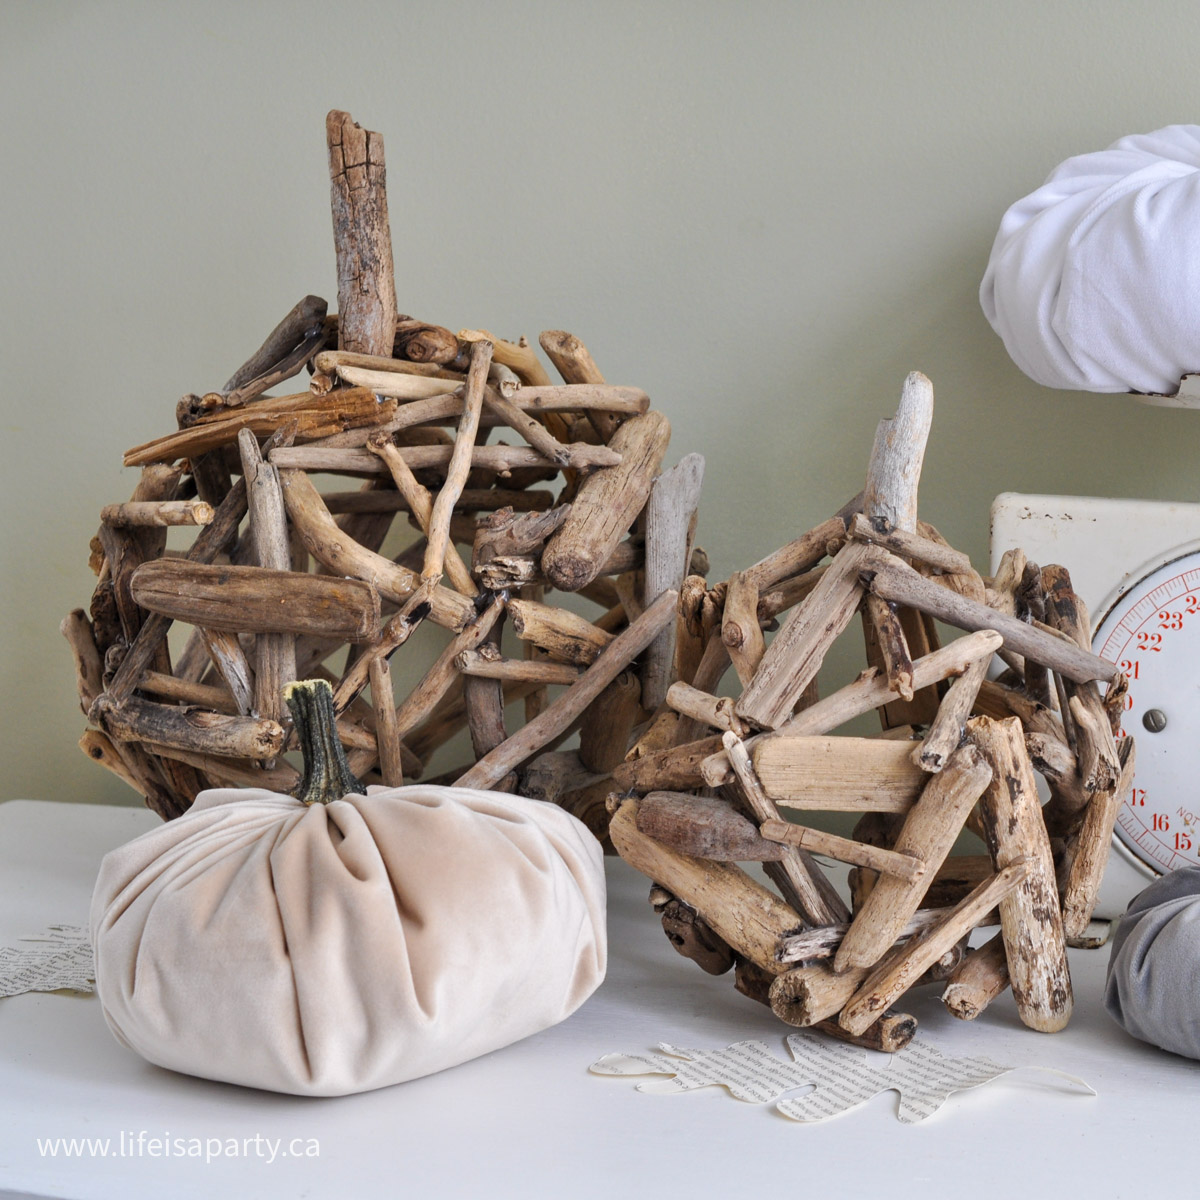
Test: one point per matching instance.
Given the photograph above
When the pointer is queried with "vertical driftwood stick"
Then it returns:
(366, 284)
(460, 461)
(1030, 918)
(387, 739)
(740, 628)
(894, 470)
(670, 522)
(274, 653)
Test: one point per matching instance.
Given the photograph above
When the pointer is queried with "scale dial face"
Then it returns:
(1152, 632)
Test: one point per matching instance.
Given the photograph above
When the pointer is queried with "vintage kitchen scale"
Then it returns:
(1136, 564)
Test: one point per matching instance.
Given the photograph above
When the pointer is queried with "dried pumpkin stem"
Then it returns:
(327, 775)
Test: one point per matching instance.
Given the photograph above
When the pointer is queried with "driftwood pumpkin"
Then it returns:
(342, 942)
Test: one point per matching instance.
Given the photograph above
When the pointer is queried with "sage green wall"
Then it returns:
(763, 213)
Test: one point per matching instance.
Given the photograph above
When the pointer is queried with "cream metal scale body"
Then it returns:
(1136, 564)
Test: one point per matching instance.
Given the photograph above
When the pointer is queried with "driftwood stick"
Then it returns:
(867, 692)
(805, 995)
(137, 720)
(690, 934)
(362, 239)
(564, 635)
(274, 653)
(1094, 739)
(560, 714)
(575, 364)
(907, 544)
(420, 502)
(358, 461)
(817, 841)
(484, 699)
(299, 328)
(839, 774)
(459, 468)
(471, 500)
(437, 680)
(903, 968)
(157, 513)
(704, 827)
(608, 724)
(673, 768)
(796, 653)
(895, 580)
(799, 555)
(395, 633)
(606, 504)
(742, 912)
(1090, 851)
(484, 665)
(1030, 918)
(894, 470)
(206, 695)
(577, 455)
(813, 945)
(89, 667)
(387, 737)
(714, 711)
(980, 978)
(258, 600)
(227, 655)
(949, 726)
(740, 628)
(797, 866)
(928, 833)
(100, 749)
(884, 621)
(329, 546)
(670, 527)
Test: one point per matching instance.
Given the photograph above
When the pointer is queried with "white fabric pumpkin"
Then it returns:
(1094, 278)
(332, 948)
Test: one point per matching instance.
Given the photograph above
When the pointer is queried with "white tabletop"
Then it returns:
(530, 1121)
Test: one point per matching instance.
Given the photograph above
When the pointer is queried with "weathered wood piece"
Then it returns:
(274, 652)
(608, 724)
(904, 967)
(818, 841)
(573, 361)
(895, 580)
(259, 600)
(949, 726)
(796, 652)
(741, 631)
(361, 236)
(888, 635)
(459, 466)
(704, 827)
(386, 733)
(137, 720)
(714, 711)
(1030, 918)
(981, 977)
(559, 715)
(673, 768)
(928, 833)
(136, 514)
(1091, 846)
(283, 352)
(486, 664)
(564, 635)
(670, 520)
(742, 912)
(838, 774)
(606, 504)
(907, 544)
(894, 469)
(690, 934)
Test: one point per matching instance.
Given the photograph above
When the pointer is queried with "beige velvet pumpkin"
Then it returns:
(331, 948)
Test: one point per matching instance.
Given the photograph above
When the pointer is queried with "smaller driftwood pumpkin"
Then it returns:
(340, 942)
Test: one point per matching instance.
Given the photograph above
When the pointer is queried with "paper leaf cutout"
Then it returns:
(57, 958)
(840, 1077)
